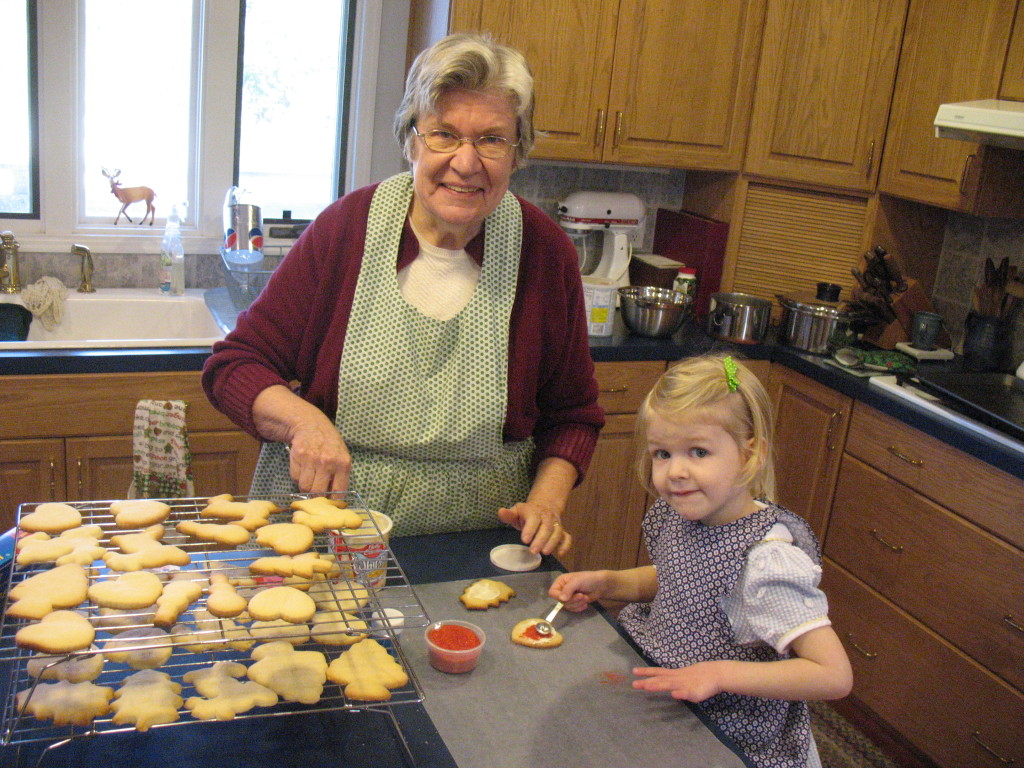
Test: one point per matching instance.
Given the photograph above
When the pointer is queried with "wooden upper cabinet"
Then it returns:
(682, 83)
(569, 47)
(661, 83)
(1012, 86)
(951, 52)
(823, 91)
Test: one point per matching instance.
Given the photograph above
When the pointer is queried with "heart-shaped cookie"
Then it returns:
(58, 632)
(135, 589)
(286, 603)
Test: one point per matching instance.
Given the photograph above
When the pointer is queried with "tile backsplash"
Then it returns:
(968, 240)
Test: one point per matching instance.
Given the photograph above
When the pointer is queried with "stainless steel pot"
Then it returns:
(813, 325)
(739, 317)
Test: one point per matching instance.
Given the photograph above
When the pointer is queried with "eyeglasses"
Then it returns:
(491, 147)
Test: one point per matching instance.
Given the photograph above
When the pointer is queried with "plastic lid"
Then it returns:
(514, 557)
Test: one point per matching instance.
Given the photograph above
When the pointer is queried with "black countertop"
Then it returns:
(621, 346)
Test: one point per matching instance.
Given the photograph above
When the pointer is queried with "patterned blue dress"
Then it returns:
(700, 569)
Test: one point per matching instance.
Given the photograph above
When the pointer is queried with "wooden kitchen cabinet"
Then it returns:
(923, 564)
(72, 440)
(811, 421)
(605, 511)
(951, 52)
(824, 86)
(646, 82)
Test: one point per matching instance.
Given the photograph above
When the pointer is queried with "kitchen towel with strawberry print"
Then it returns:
(161, 455)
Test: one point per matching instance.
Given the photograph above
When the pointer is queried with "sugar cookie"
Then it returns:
(66, 703)
(51, 517)
(279, 629)
(115, 620)
(347, 596)
(222, 695)
(73, 669)
(224, 600)
(129, 591)
(76, 545)
(57, 632)
(322, 514)
(139, 513)
(225, 534)
(292, 675)
(285, 603)
(144, 550)
(367, 671)
(177, 596)
(524, 633)
(62, 587)
(285, 538)
(207, 633)
(486, 593)
(143, 648)
(337, 628)
(146, 698)
(306, 565)
(250, 515)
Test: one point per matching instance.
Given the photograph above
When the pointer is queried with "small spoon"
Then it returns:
(544, 627)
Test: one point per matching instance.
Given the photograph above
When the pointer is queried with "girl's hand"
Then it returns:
(696, 683)
(578, 590)
(541, 527)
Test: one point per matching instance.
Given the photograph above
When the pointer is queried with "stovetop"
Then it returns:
(925, 401)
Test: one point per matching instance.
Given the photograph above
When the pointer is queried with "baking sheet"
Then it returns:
(567, 706)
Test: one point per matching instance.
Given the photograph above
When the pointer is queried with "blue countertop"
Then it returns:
(621, 346)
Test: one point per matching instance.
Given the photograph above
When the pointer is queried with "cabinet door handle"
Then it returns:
(618, 129)
(81, 483)
(53, 479)
(965, 173)
(871, 159)
(878, 537)
(615, 390)
(599, 132)
(1008, 618)
(831, 429)
(977, 740)
(862, 651)
(903, 457)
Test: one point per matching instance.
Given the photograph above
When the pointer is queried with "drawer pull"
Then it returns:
(862, 651)
(53, 479)
(903, 457)
(878, 537)
(615, 390)
(977, 740)
(1008, 618)
(81, 482)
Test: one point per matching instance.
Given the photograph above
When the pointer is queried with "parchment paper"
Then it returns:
(571, 706)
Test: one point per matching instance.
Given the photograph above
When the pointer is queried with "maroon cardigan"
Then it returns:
(294, 332)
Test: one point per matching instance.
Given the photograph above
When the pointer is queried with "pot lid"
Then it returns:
(809, 302)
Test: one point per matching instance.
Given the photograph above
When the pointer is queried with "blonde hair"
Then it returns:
(467, 62)
(699, 386)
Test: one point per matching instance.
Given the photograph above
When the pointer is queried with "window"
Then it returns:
(18, 167)
(188, 98)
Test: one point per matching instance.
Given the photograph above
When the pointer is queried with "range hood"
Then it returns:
(988, 121)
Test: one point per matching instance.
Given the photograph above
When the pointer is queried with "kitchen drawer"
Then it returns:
(961, 581)
(623, 386)
(987, 496)
(948, 706)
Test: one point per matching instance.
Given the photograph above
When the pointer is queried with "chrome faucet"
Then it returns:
(85, 286)
(10, 281)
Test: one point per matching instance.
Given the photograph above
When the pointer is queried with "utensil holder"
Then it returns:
(987, 342)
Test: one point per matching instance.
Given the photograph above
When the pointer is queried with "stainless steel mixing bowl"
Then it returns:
(654, 312)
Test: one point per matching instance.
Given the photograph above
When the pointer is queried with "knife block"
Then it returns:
(905, 304)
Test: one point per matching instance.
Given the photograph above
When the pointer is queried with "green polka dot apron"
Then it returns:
(422, 402)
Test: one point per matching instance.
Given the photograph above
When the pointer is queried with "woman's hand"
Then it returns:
(541, 527)
(320, 461)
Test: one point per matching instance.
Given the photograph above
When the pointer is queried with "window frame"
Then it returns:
(375, 91)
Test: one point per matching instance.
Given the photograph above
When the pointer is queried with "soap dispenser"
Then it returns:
(172, 253)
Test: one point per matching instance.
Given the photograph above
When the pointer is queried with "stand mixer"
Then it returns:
(616, 218)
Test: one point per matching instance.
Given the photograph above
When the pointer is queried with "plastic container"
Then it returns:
(686, 282)
(172, 253)
(453, 660)
(243, 228)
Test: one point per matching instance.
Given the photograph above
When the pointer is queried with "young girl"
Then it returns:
(731, 609)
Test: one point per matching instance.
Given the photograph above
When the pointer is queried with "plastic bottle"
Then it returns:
(686, 281)
(172, 254)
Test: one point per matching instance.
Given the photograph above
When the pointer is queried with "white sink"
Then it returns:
(125, 317)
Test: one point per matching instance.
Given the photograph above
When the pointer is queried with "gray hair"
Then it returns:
(472, 63)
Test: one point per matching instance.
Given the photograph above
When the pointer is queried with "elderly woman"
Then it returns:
(424, 342)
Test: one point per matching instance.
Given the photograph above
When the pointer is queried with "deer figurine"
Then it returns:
(128, 195)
